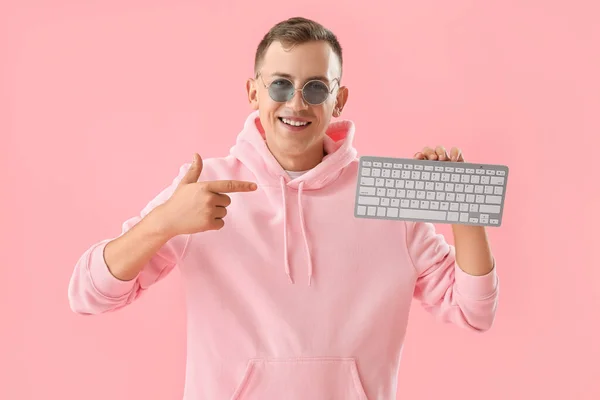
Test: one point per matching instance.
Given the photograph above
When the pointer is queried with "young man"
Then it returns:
(290, 296)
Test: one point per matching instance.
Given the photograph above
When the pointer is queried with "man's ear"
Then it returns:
(340, 101)
(252, 93)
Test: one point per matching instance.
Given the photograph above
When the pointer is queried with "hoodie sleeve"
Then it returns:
(92, 287)
(445, 290)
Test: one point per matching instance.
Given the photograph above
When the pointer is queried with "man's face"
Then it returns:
(280, 119)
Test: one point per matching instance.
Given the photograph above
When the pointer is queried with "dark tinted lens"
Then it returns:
(281, 90)
(316, 92)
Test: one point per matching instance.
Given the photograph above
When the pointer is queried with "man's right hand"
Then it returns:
(199, 206)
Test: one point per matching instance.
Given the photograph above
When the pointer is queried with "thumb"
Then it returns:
(193, 173)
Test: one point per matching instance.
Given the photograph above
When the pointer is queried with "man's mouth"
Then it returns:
(294, 122)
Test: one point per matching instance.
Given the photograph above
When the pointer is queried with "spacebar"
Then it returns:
(423, 214)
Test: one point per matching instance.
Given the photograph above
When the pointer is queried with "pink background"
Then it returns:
(101, 102)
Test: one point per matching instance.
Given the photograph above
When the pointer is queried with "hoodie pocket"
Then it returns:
(301, 378)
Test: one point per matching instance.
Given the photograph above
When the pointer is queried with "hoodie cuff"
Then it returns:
(476, 286)
(103, 280)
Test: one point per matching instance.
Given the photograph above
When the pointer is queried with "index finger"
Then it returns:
(229, 186)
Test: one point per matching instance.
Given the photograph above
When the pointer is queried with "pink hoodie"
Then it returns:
(296, 298)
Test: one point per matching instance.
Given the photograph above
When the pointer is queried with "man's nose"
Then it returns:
(297, 101)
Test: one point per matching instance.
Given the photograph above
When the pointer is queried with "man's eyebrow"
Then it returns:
(290, 77)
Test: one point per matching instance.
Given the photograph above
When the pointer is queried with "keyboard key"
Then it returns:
(423, 214)
(384, 202)
(392, 212)
(453, 216)
(464, 217)
(497, 180)
(381, 211)
(498, 190)
(369, 201)
(386, 173)
(366, 171)
(371, 211)
(377, 164)
(367, 181)
(368, 191)
(361, 210)
(493, 199)
(366, 163)
(387, 165)
(380, 192)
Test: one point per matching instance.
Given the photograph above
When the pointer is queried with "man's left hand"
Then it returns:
(440, 154)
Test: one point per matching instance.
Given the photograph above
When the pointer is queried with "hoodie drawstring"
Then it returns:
(303, 227)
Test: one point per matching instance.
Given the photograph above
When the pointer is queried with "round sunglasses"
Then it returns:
(314, 92)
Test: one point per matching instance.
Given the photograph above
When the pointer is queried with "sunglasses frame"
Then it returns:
(329, 91)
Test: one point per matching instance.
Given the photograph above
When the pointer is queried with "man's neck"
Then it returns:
(304, 162)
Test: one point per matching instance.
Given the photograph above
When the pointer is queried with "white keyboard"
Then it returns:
(431, 191)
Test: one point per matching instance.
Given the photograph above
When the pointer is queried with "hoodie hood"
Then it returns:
(252, 151)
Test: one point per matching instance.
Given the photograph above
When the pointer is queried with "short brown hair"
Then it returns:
(294, 31)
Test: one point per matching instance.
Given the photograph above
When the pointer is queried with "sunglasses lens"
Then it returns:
(281, 90)
(316, 92)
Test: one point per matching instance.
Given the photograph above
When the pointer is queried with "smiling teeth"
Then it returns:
(294, 123)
